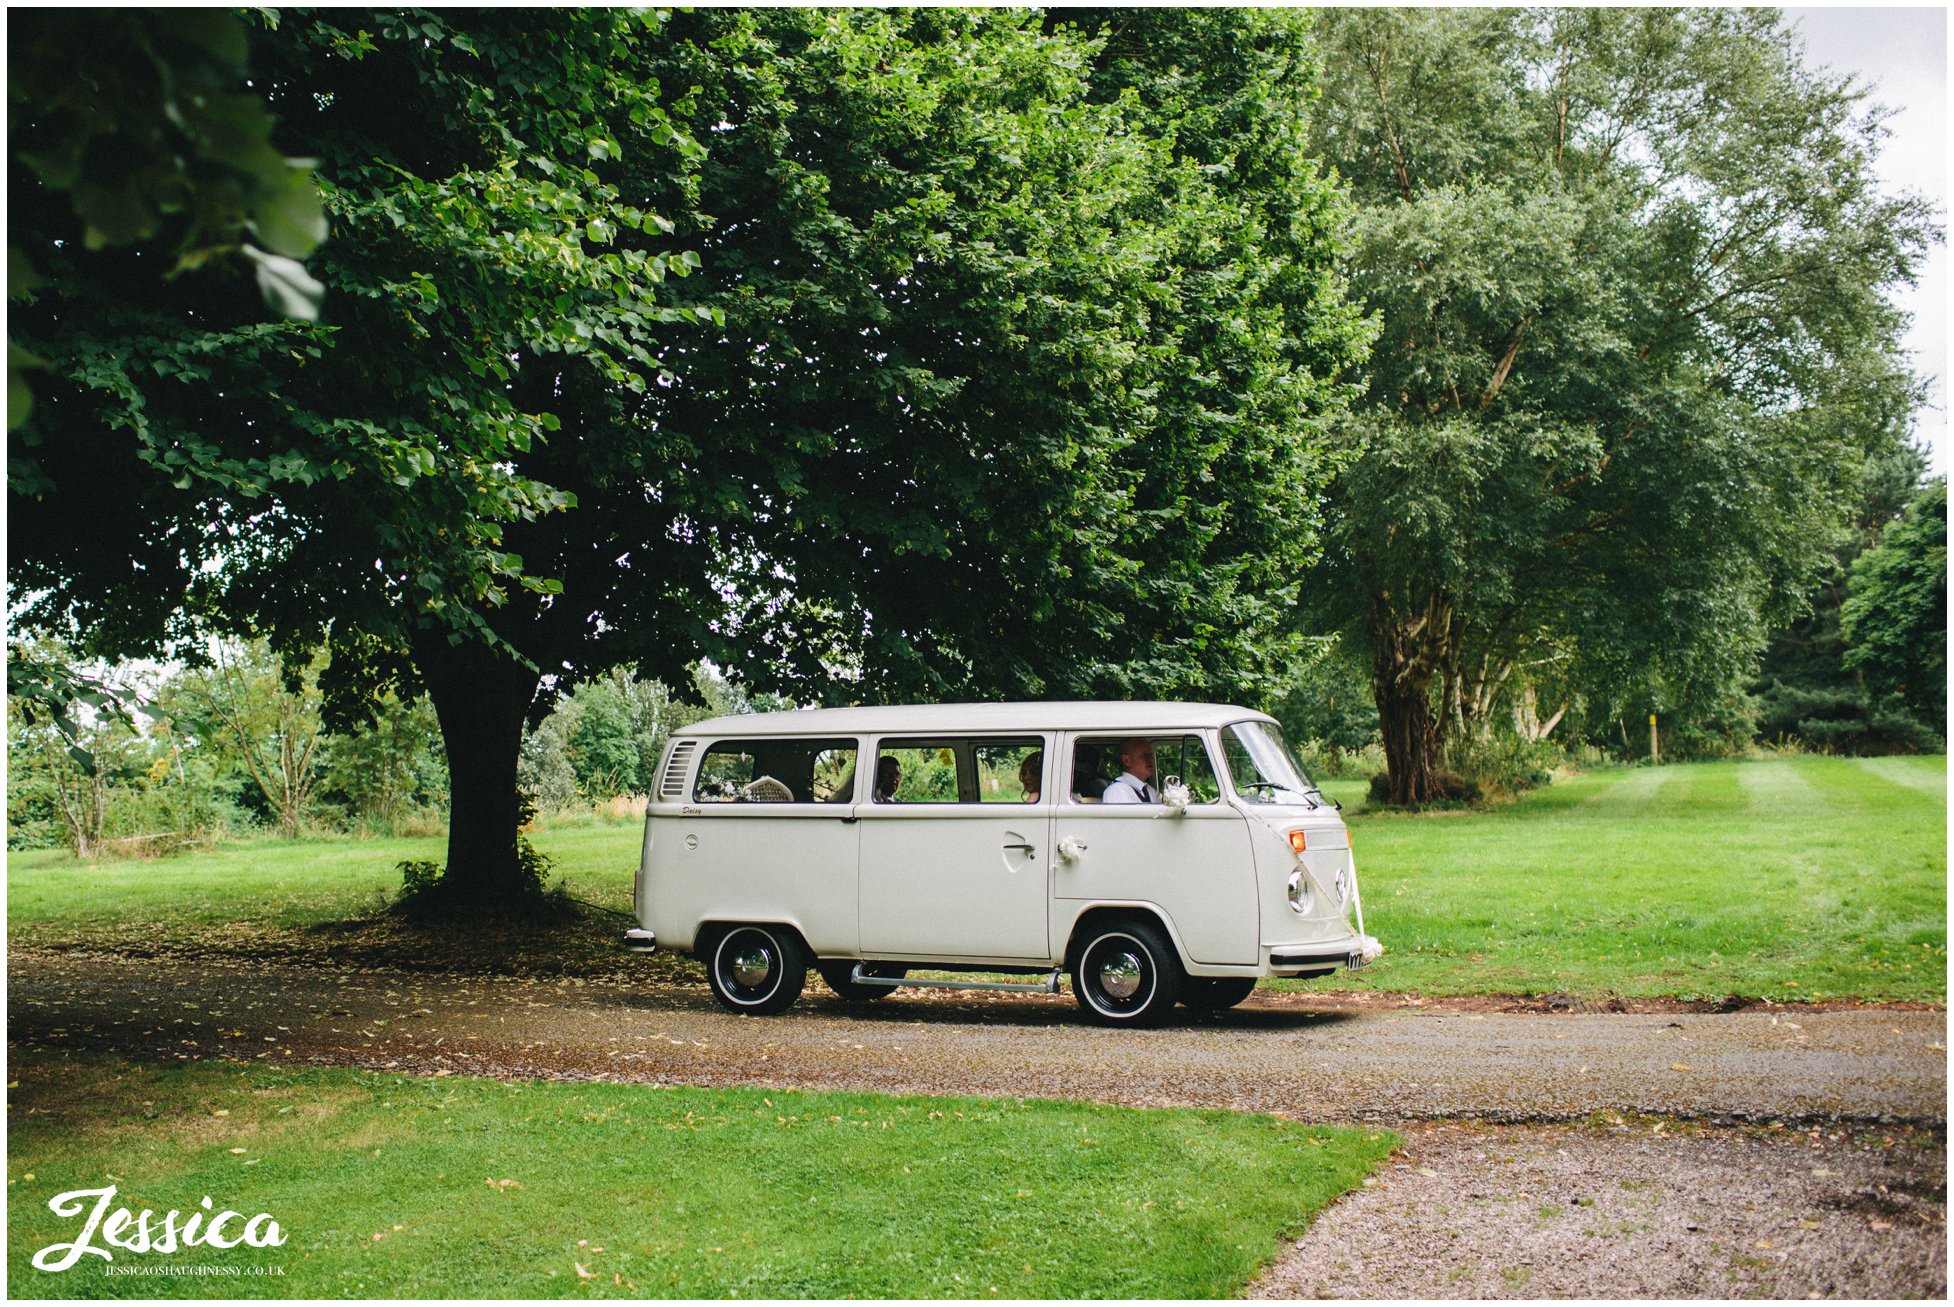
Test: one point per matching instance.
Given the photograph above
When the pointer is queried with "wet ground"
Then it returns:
(1579, 1149)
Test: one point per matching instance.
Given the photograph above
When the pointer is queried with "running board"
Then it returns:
(1049, 985)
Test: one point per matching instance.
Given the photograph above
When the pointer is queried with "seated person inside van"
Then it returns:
(888, 775)
(1135, 783)
(1029, 772)
(1087, 782)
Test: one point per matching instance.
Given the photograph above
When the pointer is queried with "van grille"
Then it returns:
(672, 784)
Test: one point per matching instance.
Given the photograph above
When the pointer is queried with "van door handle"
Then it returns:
(1028, 849)
(1070, 848)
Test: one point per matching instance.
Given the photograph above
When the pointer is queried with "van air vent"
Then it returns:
(672, 785)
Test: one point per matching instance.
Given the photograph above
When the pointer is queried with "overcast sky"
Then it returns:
(1901, 56)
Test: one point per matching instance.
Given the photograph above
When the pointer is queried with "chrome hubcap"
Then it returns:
(1120, 974)
(752, 963)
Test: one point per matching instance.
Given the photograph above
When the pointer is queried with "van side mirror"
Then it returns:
(1175, 796)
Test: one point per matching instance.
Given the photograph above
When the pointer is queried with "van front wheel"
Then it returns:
(758, 970)
(1127, 975)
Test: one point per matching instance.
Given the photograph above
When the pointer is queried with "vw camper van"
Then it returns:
(1158, 853)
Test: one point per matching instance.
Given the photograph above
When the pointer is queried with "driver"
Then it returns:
(1136, 776)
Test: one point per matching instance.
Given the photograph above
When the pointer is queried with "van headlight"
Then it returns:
(1301, 898)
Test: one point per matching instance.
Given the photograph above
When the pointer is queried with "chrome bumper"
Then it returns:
(1314, 959)
(639, 940)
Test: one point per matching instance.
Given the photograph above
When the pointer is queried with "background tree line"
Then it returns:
(1519, 372)
(239, 747)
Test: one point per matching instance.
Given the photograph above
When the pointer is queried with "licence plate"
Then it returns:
(1356, 962)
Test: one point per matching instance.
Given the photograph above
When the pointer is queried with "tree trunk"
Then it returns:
(1402, 685)
(481, 697)
(1451, 717)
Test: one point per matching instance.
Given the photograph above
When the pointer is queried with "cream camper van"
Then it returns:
(1155, 852)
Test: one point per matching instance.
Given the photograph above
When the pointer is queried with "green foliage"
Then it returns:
(418, 876)
(1003, 368)
(603, 739)
(260, 714)
(1895, 615)
(462, 210)
(1631, 268)
(1327, 705)
(44, 685)
(387, 769)
(1502, 764)
(142, 119)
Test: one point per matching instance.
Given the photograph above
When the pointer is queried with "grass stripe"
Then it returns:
(1778, 789)
(1927, 775)
(1705, 787)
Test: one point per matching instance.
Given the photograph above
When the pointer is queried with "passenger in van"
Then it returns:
(1087, 783)
(1028, 774)
(1136, 763)
(888, 775)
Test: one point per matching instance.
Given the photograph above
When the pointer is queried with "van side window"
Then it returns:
(1095, 765)
(965, 769)
(925, 771)
(777, 771)
(1008, 771)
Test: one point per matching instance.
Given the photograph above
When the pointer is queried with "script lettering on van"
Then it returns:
(144, 1233)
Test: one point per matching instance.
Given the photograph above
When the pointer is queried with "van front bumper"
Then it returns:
(639, 940)
(1321, 957)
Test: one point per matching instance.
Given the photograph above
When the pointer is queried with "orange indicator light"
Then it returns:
(1297, 841)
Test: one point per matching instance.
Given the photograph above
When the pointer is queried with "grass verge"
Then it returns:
(386, 1185)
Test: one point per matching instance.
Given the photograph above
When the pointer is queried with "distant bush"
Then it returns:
(1323, 760)
(1506, 764)
(1454, 791)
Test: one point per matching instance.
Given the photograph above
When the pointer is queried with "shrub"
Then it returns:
(426, 892)
(1506, 764)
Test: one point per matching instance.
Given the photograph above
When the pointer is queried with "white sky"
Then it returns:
(1901, 55)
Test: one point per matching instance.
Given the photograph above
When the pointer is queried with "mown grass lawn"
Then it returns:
(387, 1185)
(1788, 878)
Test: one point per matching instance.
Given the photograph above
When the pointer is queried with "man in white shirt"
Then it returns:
(1135, 784)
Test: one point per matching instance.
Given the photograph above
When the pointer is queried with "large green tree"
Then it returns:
(988, 381)
(1895, 615)
(1805, 691)
(1631, 268)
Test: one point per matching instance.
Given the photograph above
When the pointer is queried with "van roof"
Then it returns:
(947, 718)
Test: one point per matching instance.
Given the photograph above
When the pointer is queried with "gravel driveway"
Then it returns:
(1560, 1107)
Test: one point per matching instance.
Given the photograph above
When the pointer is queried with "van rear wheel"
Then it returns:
(758, 970)
(1127, 975)
(1214, 993)
(837, 977)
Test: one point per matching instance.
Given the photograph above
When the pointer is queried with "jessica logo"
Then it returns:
(142, 1233)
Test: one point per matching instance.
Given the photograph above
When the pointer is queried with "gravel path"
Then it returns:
(1805, 1148)
(1278, 1053)
(1638, 1210)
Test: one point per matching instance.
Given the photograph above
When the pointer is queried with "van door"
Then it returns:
(1198, 868)
(955, 857)
(766, 835)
